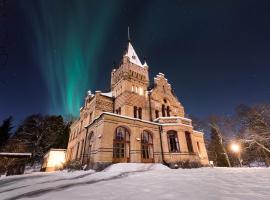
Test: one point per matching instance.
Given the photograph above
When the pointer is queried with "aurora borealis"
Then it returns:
(68, 42)
(214, 53)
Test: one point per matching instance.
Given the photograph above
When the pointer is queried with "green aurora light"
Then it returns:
(66, 44)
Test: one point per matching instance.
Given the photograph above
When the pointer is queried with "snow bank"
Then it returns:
(132, 167)
(142, 181)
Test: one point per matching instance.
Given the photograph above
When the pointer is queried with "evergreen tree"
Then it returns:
(5, 131)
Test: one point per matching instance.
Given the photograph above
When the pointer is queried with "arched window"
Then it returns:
(189, 142)
(147, 147)
(121, 145)
(173, 142)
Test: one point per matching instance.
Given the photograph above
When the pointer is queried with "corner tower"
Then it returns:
(129, 83)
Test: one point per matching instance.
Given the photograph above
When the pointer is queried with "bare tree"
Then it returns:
(256, 129)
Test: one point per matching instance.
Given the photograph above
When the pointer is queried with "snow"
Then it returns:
(141, 181)
(15, 154)
(145, 64)
(131, 54)
(107, 94)
(132, 167)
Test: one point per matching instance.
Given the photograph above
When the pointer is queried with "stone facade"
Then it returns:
(134, 122)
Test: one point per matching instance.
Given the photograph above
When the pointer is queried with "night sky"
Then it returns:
(216, 54)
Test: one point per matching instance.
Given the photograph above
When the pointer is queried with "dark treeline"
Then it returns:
(249, 127)
(36, 134)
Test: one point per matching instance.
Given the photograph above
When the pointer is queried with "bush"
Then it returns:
(73, 165)
(186, 164)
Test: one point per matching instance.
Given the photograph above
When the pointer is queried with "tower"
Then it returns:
(129, 85)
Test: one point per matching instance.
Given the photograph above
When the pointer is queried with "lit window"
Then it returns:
(140, 91)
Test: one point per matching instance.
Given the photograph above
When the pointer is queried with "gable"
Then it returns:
(162, 94)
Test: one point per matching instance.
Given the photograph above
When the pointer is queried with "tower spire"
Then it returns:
(128, 35)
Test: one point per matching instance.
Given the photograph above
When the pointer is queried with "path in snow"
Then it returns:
(142, 181)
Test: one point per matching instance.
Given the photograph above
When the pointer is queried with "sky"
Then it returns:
(215, 54)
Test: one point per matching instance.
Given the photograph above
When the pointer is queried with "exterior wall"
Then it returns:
(135, 127)
(201, 149)
(103, 132)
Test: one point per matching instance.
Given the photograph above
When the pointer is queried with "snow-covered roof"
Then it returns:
(145, 64)
(107, 94)
(15, 154)
(173, 117)
(133, 57)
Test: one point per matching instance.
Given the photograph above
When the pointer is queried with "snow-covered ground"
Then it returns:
(141, 181)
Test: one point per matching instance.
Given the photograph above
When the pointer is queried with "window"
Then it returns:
(168, 111)
(135, 111)
(77, 151)
(189, 142)
(88, 147)
(198, 146)
(163, 111)
(157, 113)
(140, 91)
(82, 148)
(91, 117)
(119, 111)
(146, 146)
(121, 145)
(140, 113)
(81, 126)
(173, 142)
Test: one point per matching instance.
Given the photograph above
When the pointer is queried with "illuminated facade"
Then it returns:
(134, 122)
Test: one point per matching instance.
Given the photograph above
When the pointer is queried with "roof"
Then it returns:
(107, 94)
(133, 57)
(14, 154)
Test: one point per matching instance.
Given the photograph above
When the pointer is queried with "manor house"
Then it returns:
(134, 122)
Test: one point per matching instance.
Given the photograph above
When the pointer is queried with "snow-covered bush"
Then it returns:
(73, 165)
(187, 164)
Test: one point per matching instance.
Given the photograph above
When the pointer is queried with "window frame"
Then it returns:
(121, 145)
(176, 142)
